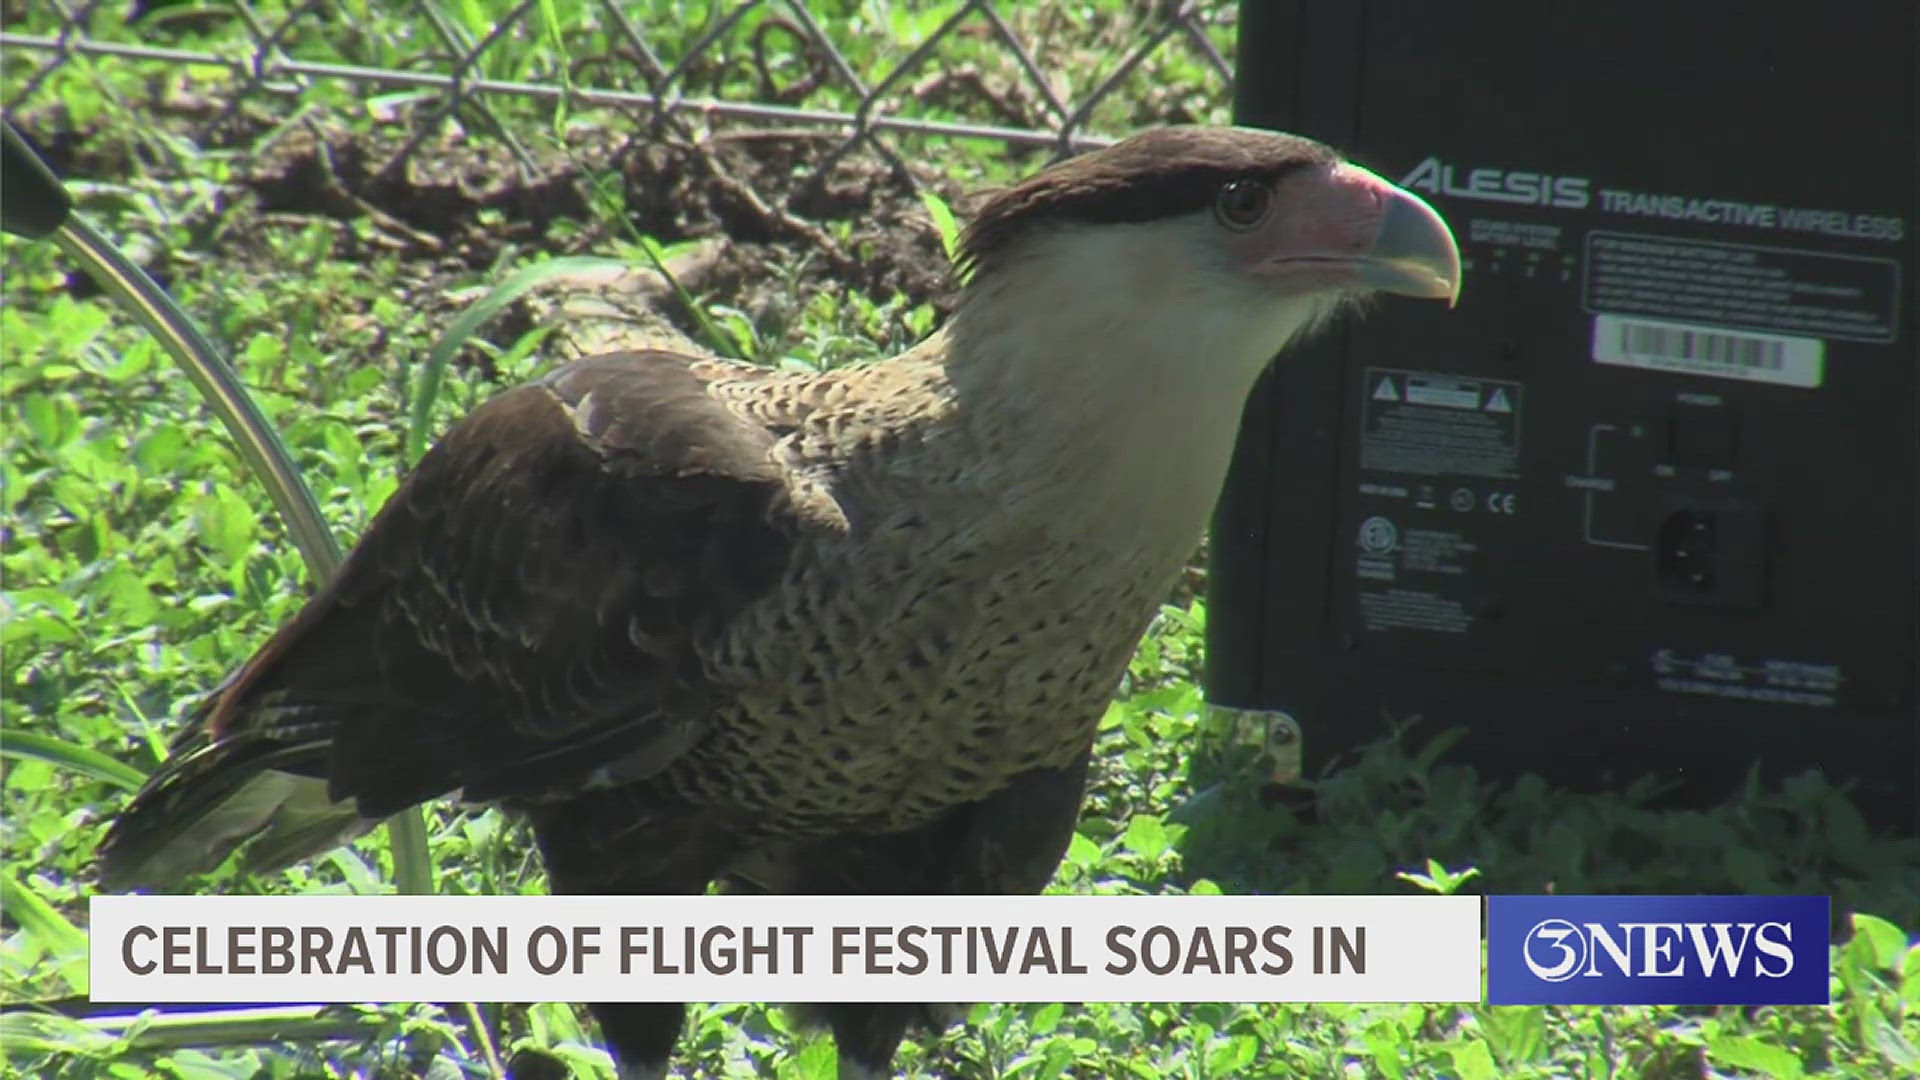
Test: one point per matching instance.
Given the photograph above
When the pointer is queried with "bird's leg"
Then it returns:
(588, 845)
(640, 1035)
(1008, 843)
(867, 1034)
(1015, 838)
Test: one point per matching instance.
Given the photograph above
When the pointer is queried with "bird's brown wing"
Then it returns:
(521, 613)
(519, 618)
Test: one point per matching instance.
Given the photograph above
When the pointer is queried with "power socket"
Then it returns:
(1713, 556)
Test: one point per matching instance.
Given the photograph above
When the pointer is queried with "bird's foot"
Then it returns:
(854, 1070)
(639, 1070)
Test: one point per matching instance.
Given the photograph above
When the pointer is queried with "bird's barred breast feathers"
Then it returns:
(965, 628)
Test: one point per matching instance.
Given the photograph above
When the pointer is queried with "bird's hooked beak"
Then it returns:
(1414, 253)
(1344, 227)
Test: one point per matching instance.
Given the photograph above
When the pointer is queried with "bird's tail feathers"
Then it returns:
(211, 798)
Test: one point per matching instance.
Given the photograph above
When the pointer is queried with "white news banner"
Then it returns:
(271, 949)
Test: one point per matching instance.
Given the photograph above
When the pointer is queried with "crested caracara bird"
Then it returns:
(848, 632)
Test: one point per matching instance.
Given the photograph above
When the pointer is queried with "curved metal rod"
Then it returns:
(260, 446)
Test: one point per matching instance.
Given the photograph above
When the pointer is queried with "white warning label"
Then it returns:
(1780, 290)
(1435, 424)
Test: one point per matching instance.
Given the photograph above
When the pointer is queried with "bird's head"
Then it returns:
(1142, 288)
(1227, 240)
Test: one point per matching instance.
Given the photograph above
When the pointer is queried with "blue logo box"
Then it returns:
(1657, 950)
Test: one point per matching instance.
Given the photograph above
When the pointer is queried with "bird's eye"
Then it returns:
(1242, 204)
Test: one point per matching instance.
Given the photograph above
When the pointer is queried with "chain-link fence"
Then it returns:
(864, 74)
(802, 134)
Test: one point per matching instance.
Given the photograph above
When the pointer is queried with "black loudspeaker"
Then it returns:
(1645, 501)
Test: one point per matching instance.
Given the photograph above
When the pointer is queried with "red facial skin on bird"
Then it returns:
(1344, 227)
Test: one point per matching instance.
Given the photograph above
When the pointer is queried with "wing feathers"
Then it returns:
(524, 612)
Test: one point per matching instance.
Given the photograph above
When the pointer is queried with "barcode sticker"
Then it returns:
(1708, 350)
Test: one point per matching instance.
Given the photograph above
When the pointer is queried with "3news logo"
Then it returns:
(1657, 950)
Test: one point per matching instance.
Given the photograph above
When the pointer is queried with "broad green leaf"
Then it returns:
(943, 221)
(132, 602)
(53, 419)
(1515, 1034)
(1230, 1057)
(160, 448)
(1877, 942)
(1896, 1047)
(815, 1061)
(64, 941)
(1473, 1061)
(226, 524)
(1082, 851)
(1386, 1052)
(74, 758)
(23, 1033)
(38, 626)
(1146, 836)
(1748, 1052)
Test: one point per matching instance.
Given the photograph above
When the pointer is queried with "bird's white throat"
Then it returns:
(1122, 358)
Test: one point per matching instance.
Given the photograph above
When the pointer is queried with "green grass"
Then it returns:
(141, 563)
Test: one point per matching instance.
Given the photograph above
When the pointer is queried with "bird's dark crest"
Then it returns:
(1157, 174)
